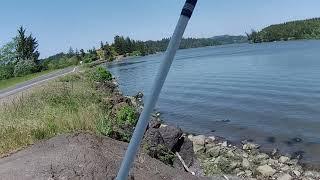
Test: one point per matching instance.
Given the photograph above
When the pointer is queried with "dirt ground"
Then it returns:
(81, 156)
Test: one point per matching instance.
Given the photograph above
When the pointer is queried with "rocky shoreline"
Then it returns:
(200, 156)
(210, 156)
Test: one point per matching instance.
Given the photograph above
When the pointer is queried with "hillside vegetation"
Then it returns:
(20, 56)
(228, 39)
(293, 30)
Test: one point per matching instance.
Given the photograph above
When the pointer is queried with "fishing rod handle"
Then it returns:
(188, 8)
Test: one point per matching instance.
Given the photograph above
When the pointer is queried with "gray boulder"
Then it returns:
(170, 136)
(312, 174)
(198, 140)
(154, 122)
(186, 153)
(152, 139)
(250, 146)
(266, 170)
(214, 151)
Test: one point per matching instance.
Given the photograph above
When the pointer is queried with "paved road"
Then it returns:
(36, 81)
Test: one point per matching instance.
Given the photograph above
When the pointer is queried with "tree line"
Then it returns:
(121, 46)
(293, 30)
(128, 46)
(21, 56)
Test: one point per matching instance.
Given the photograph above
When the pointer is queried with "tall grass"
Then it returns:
(69, 104)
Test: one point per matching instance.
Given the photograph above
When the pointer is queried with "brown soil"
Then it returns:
(81, 156)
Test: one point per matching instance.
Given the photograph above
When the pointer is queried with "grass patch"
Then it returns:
(127, 115)
(71, 103)
(160, 152)
(16, 80)
(100, 74)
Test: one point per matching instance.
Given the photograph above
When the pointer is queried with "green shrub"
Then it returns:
(39, 134)
(70, 78)
(6, 71)
(52, 127)
(127, 115)
(100, 74)
(48, 131)
(88, 58)
(160, 152)
(61, 62)
(166, 156)
(135, 53)
(103, 126)
(24, 67)
(119, 128)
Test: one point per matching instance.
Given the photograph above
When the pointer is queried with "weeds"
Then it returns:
(100, 74)
(68, 104)
(104, 127)
(127, 115)
(160, 152)
(71, 103)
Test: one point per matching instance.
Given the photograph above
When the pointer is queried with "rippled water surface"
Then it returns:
(269, 92)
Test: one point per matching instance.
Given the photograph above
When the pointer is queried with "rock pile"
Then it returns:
(163, 142)
(246, 162)
(211, 157)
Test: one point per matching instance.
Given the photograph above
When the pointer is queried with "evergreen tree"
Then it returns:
(119, 44)
(101, 45)
(82, 53)
(26, 46)
(70, 52)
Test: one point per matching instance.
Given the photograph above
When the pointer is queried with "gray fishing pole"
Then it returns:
(155, 91)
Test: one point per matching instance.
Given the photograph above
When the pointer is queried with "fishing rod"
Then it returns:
(156, 88)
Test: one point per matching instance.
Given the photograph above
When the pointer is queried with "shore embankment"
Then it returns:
(91, 102)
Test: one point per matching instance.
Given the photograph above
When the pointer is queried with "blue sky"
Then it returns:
(59, 24)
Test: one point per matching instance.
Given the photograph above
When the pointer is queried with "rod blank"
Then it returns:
(155, 91)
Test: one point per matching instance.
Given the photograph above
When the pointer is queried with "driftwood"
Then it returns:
(184, 164)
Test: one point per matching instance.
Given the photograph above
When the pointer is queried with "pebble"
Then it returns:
(241, 173)
(248, 173)
(163, 125)
(284, 159)
(273, 162)
(210, 140)
(245, 163)
(198, 140)
(262, 156)
(292, 162)
(312, 174)
(210, 145)
(297, 173)
(198, 148)
(274, 152)
(285, 177)
(266, 170)
(224, 144)
(250, 146)
(245, 155)
(285, 168)
(214, 151)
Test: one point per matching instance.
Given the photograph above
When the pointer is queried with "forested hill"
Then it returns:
(228, 39)
(127, 45)
(293, 30)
